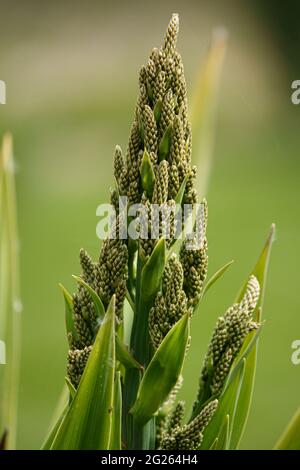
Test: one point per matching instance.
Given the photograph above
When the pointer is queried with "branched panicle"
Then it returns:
(161, 109)
(161, 127)
(167, 413)
(160, 193)
(227, 340)
(189, 436)
(194, 259)
(106, 277)
(176, 418)
(77, 359)
(170, 303)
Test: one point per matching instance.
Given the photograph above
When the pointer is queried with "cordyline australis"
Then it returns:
(124, 395)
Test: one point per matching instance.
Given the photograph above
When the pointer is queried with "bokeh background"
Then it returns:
(71, 72)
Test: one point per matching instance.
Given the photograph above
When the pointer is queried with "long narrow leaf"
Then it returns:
(227, 407)
(69, 320)
(216, 276)
(223, 437)
(53, 432)
(124, 356)
(163, 371)
(100, 310)
(153, 270)
(243, 408)
(116, 428)
(290, 439)
(87, 424)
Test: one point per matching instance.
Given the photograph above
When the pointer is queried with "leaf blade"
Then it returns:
(260, 271)
(87, 424)
(116, 427)
(70, 328)
(290, 439)
(216, 276)
(100, 310)
(226, 407)
(163, 371)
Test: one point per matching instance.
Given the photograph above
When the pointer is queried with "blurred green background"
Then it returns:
(71, 72)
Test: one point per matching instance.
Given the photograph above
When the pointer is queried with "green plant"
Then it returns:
(127, 393)
(128, 324)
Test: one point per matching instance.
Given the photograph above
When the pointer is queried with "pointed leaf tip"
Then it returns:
(147, 174)
(70, 327)
(163, 371)
(99, 307)
(87, 423)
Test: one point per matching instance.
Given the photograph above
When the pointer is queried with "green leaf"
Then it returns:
(51, 436)
(223, 437)
(214, 445)
(163, 372)
(216, 276)
(180, 194)
(116, 427)
(100, 310)
(157, 111)
(71, 388)
(153, 270)
(57, 417)
(70, 328)
(130, 300)
(87, 424)
(227, 406)
(290, 439)
(149, 90)
(124, 356)
(165, 144)
(147, 174)
(243, 408)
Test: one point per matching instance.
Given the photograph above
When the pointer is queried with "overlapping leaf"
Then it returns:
(290, 439)
(163, 371)
(87, 424)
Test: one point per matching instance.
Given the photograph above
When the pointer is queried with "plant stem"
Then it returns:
(138, 436)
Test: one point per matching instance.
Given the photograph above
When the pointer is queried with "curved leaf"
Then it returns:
(153, 270)
(124, 356)
(87, 424)
(147, 174)
(116, 427)
(71, 388)
(216, 276)
(243, 408)
(51, 436)
(223, 437)
(227, 407)
(100, 310)
(290, 439)
(180, 194)
(163, 372)
(68, 313)
(165, 144)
